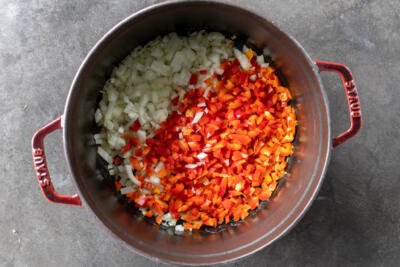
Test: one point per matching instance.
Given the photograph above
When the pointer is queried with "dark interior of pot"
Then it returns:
(307, 166)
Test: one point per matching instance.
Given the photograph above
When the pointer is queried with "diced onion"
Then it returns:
(154, 179)
(141, 135)
(179, 228)
(98, 116)
(201, 156)
(197, 117)
(243, 60)
(167, 216)
(99, 138)
(104, 154)
(131, 177)
(205, 94)
(190, 166)
(219, 71)
(159, 166)
(127, 190)
(172, 222)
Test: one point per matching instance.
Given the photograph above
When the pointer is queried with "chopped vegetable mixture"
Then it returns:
(218, 149)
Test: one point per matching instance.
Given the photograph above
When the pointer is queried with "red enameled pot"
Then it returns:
(307, 167)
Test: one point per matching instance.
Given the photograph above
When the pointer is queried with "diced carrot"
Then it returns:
(117, 185)
(159, 219)
(149, 213)
(195, 137)
(250, 53)
(194, 146)
(243, 139)
(135, 164)
(178, 188)
(162, 173)
(183, 145)
(234, 146)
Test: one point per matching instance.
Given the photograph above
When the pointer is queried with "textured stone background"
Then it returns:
(355, 219)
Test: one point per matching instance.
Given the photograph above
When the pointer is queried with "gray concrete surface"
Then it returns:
(356, 217)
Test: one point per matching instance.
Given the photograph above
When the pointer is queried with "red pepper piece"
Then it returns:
(117, 161)
(193, 79)
(135, 126)
(178, 188)
(175, 100)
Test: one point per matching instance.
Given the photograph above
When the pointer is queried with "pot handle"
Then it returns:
(352, 98)
(40, 164)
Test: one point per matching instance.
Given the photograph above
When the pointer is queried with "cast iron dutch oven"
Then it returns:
(308, 165)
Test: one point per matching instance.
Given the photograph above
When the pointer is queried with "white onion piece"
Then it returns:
(167, 216)
(219, 71)
(154, 179)
(159, 166)
(131, 177)
(104, 155)
(205, 94)
(197, 117)
(127, 190)
(201, 156)
(99, 138)
(179, 228)
(243, 60)
(260, 59)
(141, 135)
(172, 222)
(191, 166)
(98, 116)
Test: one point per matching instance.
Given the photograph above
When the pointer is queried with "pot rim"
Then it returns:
(291, 219)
